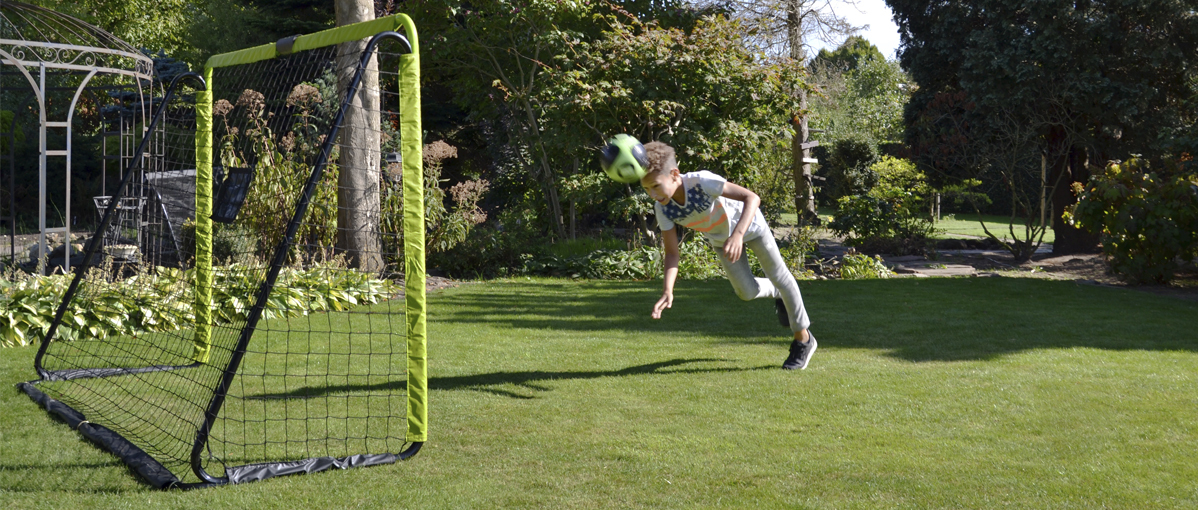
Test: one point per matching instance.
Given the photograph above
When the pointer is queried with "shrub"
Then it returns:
(795, 247)
(889, 215)
(446, 227)
(847, 166)
(697, 261)
(135, 305)
(499, 253)
(857, 266)
(230, 243)
(489, 251)
(1148, 219)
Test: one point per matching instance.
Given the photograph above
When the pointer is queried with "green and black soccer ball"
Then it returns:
(624, 159)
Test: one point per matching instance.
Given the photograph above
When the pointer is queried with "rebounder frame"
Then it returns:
(414, 266)
(413, 227)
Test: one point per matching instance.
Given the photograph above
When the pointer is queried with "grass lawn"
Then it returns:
(931, 393)
(954, 225)
(967, 224)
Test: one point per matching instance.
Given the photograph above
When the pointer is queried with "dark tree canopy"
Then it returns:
(1098, 80)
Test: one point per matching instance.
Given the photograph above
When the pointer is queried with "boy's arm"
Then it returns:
(734, 246)
(669, 239)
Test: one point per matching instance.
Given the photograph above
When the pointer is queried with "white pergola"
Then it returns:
(59, 58)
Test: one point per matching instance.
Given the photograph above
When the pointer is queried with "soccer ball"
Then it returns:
(624, 159)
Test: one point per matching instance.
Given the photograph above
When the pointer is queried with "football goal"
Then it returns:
(287, 333)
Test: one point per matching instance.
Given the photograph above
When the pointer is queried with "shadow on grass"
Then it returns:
(530, 380)
(938, 319)
(78, 477)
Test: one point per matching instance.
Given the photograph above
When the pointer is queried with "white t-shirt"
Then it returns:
(706, 211)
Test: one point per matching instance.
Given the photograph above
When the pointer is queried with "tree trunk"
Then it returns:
(1068, 167)
(358, 166)
(548, 181)
(800, 169)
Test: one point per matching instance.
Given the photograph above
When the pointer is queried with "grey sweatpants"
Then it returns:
(779, 282)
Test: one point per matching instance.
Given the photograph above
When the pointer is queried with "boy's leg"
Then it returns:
(780, 279)
(747, 286)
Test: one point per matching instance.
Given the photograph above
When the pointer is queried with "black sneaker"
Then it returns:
(783, 317)
(800, 354)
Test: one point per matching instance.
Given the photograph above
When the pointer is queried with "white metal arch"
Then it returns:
(25, 56)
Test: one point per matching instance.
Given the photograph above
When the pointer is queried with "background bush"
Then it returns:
(163, 300)
(890, 216)
(1148, 219)
(846, 165)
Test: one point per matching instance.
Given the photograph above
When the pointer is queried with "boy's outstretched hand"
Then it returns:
(666, 301)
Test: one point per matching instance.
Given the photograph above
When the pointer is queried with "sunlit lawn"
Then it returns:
(955, 225)
(549, 393)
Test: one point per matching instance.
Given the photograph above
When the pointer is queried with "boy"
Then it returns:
(715, 207)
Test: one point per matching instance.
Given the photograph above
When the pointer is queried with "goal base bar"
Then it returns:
(136, 458)
(160, 477)
(92, 373)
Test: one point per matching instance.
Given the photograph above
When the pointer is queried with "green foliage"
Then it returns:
(1148, 219)
(877, 92)
(697, 260)
(862, 216)
(6, 126)
(136, 305)
(846, 165)
(445, 227)
(866, 102)
(771, 180)
(858, 266)
(702, 92)
(230, 243)
(901, 182)
(1090, 80)
(891, 209)
(157, 24)
(604, 264)
(854, 51)
(491, 251)
(282, 165)
(795, 247)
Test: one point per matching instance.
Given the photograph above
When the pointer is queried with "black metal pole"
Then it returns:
(95, 240)
(280, 257)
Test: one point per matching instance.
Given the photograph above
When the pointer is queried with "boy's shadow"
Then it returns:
(532, 379)
(529, 379)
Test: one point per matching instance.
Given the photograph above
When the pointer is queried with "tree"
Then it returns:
(785, 29)
(494, 54)
(359, 165)
(1097, 80)
(845, 58)
(699, 91)
(152, 24)
(220, 26)
(864, 102)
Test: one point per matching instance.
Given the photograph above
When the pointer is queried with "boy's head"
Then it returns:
(661, 158)
(662, 179)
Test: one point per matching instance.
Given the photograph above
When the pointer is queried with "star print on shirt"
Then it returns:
(696, 200)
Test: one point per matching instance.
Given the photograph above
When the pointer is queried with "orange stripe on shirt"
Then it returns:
(713, 225)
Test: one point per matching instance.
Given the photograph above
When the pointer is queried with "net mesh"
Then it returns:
(325, 369)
